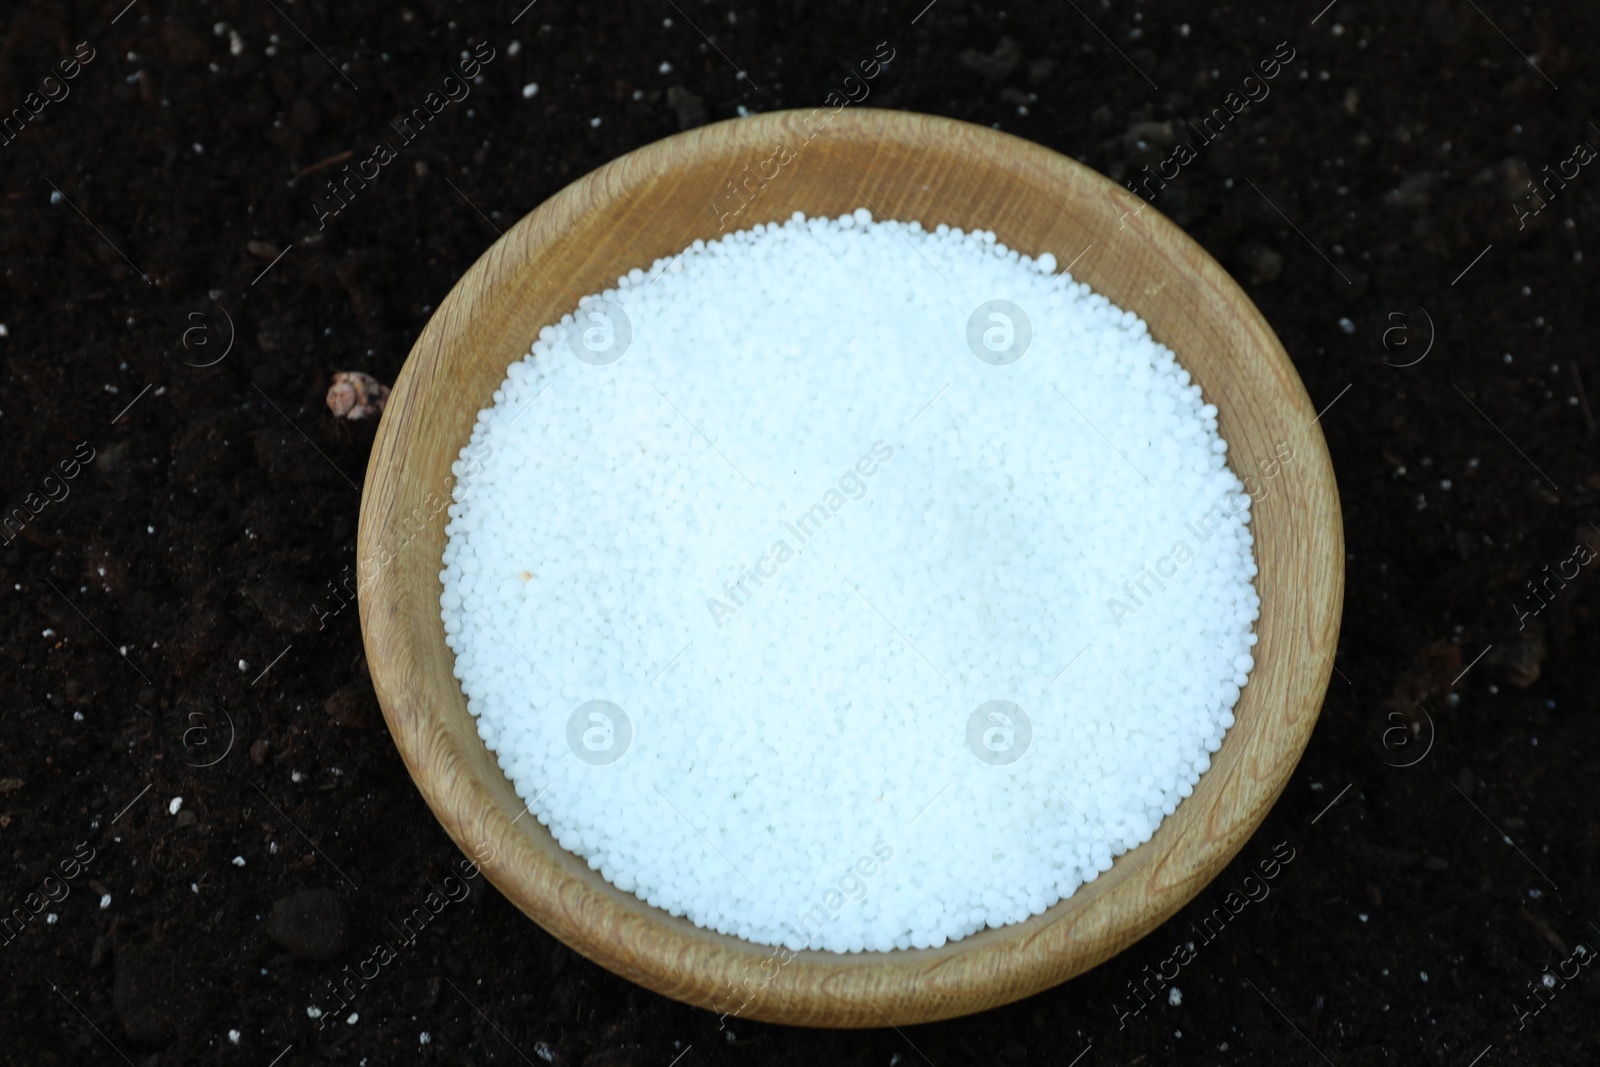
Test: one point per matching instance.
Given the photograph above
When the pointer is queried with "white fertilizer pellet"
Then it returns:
(850, 586)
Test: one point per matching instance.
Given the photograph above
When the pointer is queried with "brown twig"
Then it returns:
(43, 540)
(1544, 930)
(331, 161)
(1583, 396)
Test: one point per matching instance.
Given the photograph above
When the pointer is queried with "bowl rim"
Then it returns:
(813, 987)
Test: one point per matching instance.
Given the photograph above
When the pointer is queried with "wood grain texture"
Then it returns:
(653, 203)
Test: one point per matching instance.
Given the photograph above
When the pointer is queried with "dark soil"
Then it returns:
(197, 547)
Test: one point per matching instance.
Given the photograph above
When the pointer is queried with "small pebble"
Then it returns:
(356, 395)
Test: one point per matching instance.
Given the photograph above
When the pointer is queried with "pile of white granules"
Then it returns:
(845, 585)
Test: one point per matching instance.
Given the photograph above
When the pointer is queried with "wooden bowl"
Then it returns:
(656, 201)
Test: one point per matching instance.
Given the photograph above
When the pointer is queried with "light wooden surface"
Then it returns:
(654, 202)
